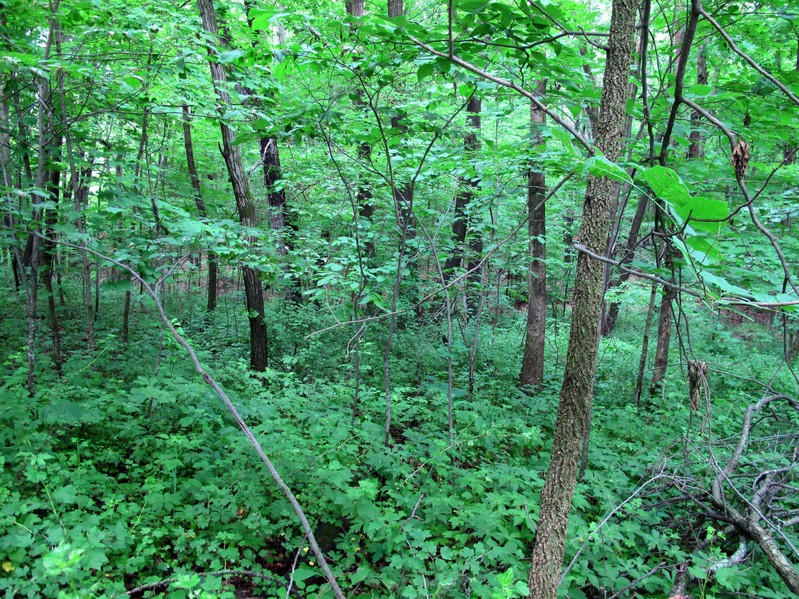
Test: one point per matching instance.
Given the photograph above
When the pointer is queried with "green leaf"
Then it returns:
(703, 213)
(425, 70)
(600, 166)
(229, 56)
(133, 81)
(724, 284)
(187, 581)
(65, 494)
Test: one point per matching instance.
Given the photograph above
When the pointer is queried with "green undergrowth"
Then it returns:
(125, 470)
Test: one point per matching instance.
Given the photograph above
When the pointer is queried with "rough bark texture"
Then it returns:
(461, 223)
(697, 150)
(395, 8)
(213, 261)
(253, 291)
(532, 373)
(574, 408)
(275, 194)
(354, 7)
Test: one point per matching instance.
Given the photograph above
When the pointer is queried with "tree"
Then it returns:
(532, 373)
(245, 205)
(213, 259)
(463, 201)
(576, 395)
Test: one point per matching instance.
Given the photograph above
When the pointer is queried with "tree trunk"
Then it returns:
(696, 150)
(363, 193)
(49, 253)
(532, 373)
(639, 379)
(461, 223)
(664, 328)
(395, 8)
(253, 291)
(213, 260)
(632, 241)
(276, 196)
(574, 408)
(32, 252)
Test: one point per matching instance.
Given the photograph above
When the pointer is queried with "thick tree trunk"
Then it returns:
(253, 290)
(213, 260)
(532, 373)
(611, 315)
(574, 408)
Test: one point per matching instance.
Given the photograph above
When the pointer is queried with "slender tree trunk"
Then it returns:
(639, 380)
(632, 241)
(574, 408)
(79, 187)
(32, 252)
(532, 373)
(402, 195)
(363, 193)
(253, 290)
(140, 156)
(661, 228)
(664, 327)
(402, 192)
(81, 201)
(213, 260)
(462, 224)
(697, 150)
(49, 257)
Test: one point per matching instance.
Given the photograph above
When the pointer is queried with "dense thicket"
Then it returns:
(313, 299)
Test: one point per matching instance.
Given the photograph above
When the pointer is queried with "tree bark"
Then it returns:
(395, 8)
(49, 251)
(213, 260)
(697, 150)
(363, 193)
(574, 408)
(231, 152)
(532, 373)
(462, 222)
(664, 327)
(639, 379)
